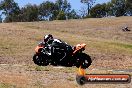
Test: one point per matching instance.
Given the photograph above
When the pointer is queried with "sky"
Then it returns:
(74, 3)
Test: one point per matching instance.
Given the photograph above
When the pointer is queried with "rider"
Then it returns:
(49, 41)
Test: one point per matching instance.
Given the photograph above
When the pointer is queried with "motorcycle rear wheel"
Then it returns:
(40, 60)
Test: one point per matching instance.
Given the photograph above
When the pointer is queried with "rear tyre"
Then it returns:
(83, 60)
(54, 63)
(40, 60)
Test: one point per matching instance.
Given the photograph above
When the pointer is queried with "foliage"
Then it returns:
(118, 7)
(61, 16)
(0, 19)
(47, 10)
(29, 13)
(89, 4)
(128, 7)
(52, 11)
(64, 9)
(10, 9)
(73, 15)
(61, 10)
(98, 11)
(113, 8)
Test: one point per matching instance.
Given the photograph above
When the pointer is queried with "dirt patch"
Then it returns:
(113, 61)
(47, 77)
(14, 79)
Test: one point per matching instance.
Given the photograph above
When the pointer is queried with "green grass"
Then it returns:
(126, 46)
(5, 85)
(71, 79)
(51, 69)
(41, 68)
(122, 48)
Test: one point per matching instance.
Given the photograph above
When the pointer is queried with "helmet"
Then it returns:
(48, 38)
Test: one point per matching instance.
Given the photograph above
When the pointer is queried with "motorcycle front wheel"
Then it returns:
(83, 60)
(81, 80)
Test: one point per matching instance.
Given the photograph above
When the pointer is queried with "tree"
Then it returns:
(59, 4)
(47, 10)
(52, 11)
(109, 9)
(89, 4)
(73, 15)
(29, 13)
(0, 19)
(63, 7)
(98, 11)
(10, 9)
(113, 8)
(118, 7)
(61, 16)
(83, 12)
(66, 8)
(128, 7)
(60, 10)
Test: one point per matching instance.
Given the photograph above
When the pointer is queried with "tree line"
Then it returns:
(61, 10)
(113, 8)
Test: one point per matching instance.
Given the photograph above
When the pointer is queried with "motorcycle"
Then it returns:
(62, 54)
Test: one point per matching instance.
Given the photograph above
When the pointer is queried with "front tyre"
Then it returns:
(40, 60)
(81, 80)
(83, 60)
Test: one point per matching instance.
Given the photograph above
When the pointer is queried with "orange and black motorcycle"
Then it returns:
(61, 54)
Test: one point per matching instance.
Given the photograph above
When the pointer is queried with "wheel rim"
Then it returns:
(84, 61)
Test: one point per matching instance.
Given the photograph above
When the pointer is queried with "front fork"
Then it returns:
(80, 78)
(81, 71)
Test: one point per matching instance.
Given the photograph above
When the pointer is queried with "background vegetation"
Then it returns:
(61, 10)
